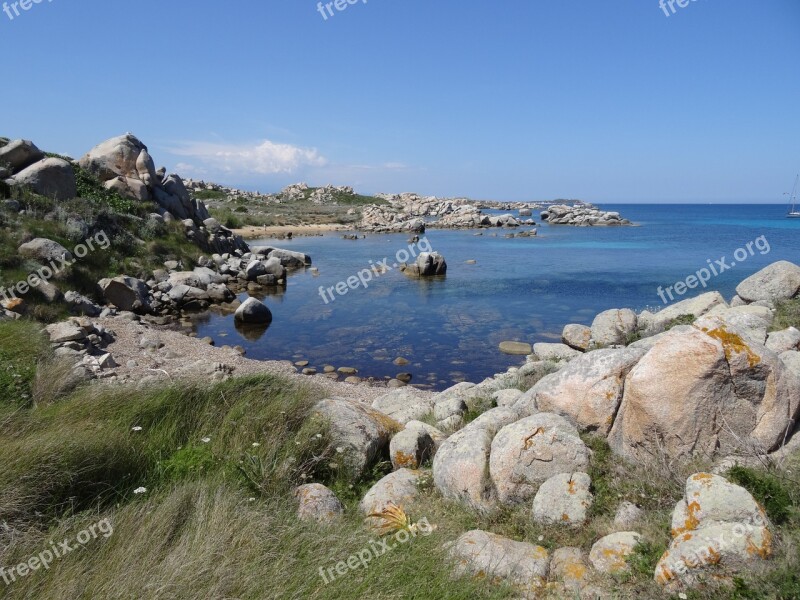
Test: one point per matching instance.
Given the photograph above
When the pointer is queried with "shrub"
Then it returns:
(770, 490)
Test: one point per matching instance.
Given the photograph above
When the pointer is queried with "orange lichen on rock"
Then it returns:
(575, 570)
(691, 522)
(704, 477)
(615, 557)
(733, 344)
(765, 550)
(528, 440)
(405, 460)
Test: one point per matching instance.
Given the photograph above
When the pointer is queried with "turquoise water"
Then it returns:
(523, 289)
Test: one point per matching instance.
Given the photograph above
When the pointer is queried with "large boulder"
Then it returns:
(19, 154)
(127, 187)
(126, 293)
(528, 452)
(710, 499)
(588, 391)
(253, 311)
(44, 251)
(705, 391)
(489, 556)
(290, 259)
(431, 264)
(124, 156)
(613, 327)
(362, 433)
(461, 465)
(51, 177)
(778, 281)
(752, 320)
(188, 297)
(718, 530)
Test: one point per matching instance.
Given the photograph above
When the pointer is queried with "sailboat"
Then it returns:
(793, 212)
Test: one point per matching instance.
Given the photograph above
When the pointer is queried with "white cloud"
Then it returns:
(261, 158)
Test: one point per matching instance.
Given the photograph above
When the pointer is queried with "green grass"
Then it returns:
(680, 320)
(209, 195)
(787, 314)
(219, 463)
(22, 347)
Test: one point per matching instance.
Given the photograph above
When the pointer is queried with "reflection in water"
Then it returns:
(250, 331)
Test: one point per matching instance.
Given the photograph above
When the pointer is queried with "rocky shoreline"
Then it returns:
(703, 382)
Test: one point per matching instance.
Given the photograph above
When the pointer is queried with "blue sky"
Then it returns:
(516, 100)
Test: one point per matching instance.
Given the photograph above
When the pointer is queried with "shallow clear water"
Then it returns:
(520, 289)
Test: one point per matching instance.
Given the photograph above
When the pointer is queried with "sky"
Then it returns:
(606, 101)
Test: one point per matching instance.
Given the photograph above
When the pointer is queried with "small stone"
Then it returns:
(309, 371)
(609, 554)
(400, 361)
(301, 363)
(317, 503)
(395, 383)
(404, 377)
(329, 369)
(348, 371)
(353, 379)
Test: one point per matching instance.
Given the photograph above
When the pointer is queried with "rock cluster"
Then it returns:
(28, 166)
(582, 215)
(125, 166)
(172, 290)
(83, 342)
(428, 264)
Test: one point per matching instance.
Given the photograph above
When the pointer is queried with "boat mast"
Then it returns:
(793, 196)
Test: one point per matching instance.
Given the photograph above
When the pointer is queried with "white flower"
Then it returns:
(137, 428)
(682, 596)
(140, 490)
(339, 449)
(251, 499)
(256, 444)
(541, 538)
(318, 436)
(205, 440)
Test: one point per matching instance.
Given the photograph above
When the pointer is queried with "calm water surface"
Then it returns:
(520, 289)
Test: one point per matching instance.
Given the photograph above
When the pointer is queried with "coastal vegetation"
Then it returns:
(217, 518)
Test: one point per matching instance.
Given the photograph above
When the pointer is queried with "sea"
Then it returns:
(518, 289)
